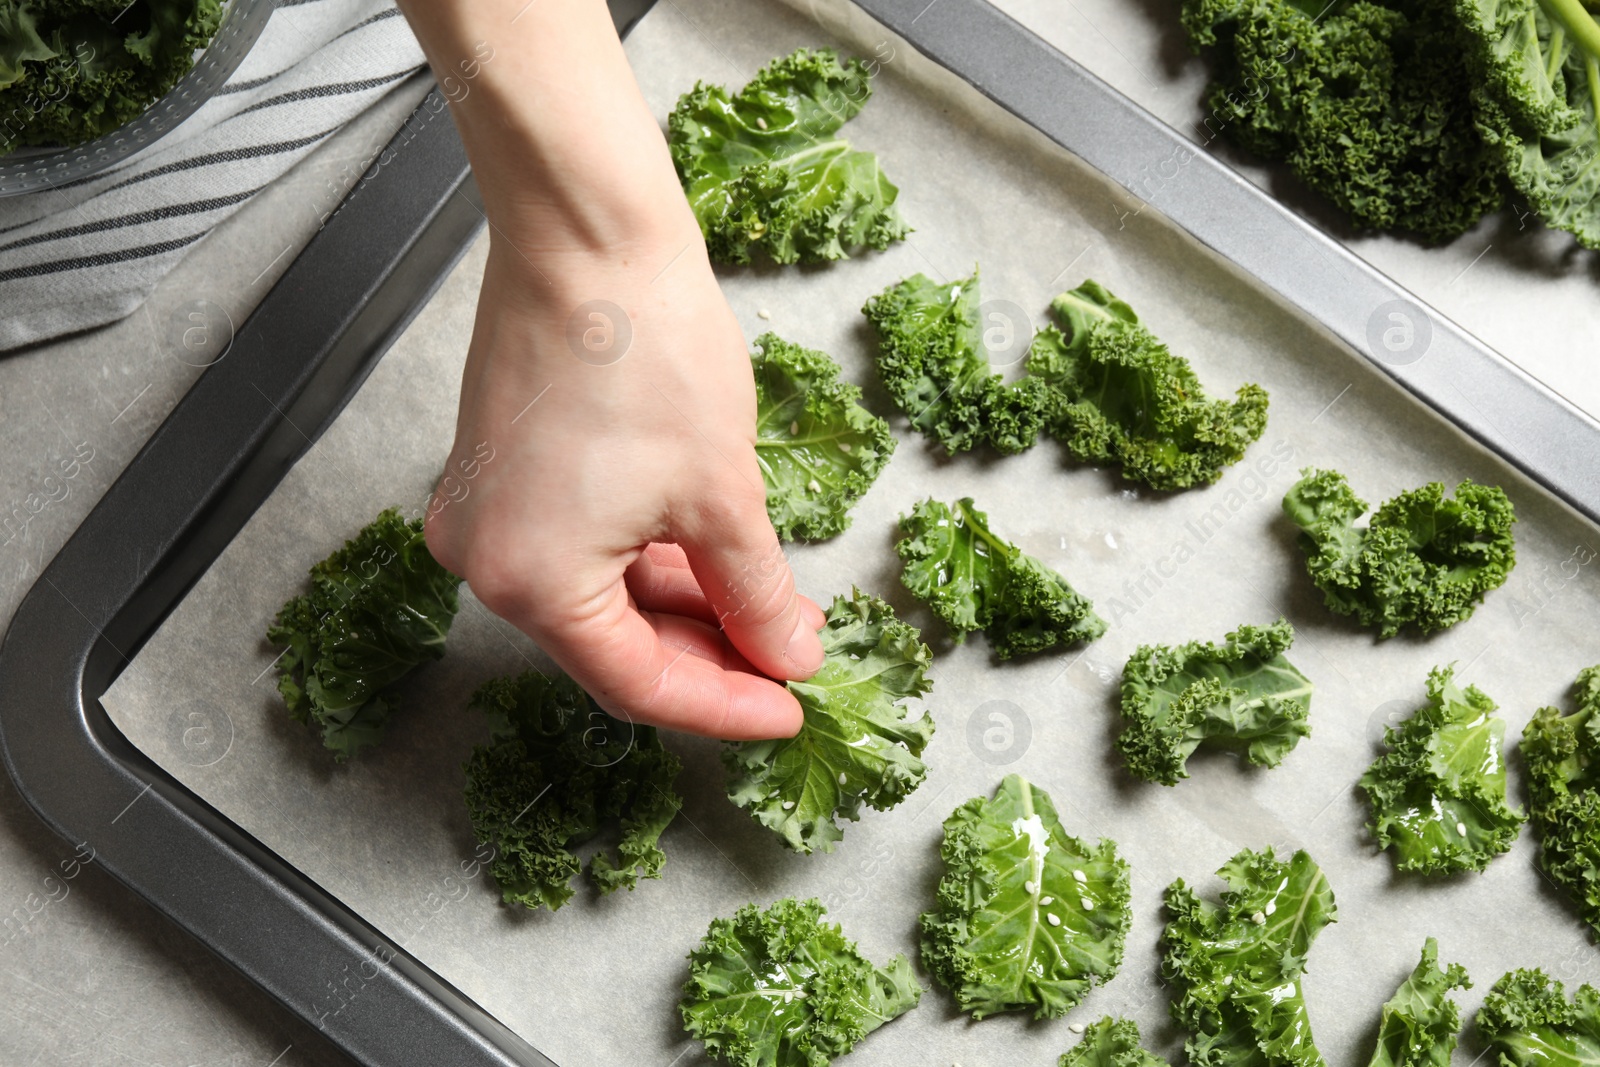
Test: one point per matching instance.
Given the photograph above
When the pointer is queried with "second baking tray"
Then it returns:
(1257, 297)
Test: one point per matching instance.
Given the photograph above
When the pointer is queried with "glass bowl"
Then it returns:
(27, 170)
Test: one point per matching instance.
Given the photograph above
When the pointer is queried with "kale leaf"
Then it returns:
(1110, 1043)
(1117, 395)
(933, 362)
(973, 580)
(782, 988)
(1439, 794)
(856, 745)
(378, 608)
(765, 168)
(1422, 560)
(1538, 64)
(1242, 694)
(72, 70)
(1029, 917)
(1530, 1023)
(1419, 1023)
(1562, 754)
(818, 448)
(556, 770)
(1238, 964)
(1369, 103)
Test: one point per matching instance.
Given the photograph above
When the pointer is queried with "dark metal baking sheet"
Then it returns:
(307, 349)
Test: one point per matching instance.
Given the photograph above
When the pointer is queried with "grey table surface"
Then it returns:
(89, 973)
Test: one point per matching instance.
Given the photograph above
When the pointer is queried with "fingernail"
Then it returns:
(805, 648)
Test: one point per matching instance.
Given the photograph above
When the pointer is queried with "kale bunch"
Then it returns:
(765, 168)
(556, 771)
(1242, 694)
(378, 608)
(778, 987)
(974, 580)
(72, 70)
(1423, 560)
(1562, 753)
(1119, 396)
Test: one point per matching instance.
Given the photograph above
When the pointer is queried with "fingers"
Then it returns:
(683, 677)
(661, 581)
(699, 639)
(746, 579)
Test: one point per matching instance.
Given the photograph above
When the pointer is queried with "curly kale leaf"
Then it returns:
(1422, 560)
(1369, 103)
(1242, 694)
(856, 745)
(1110, 1043)
(1562, 754)
(378, 608)
(818, 448)
(1419, 1023)
(1530, 1023)
(556, 771)
(973, 580)
(1238, 964)
(766, 169)
(782, 988)
(1117, 395)
(935, 366)
(72, 70)
(1538, 64)
(1439, 794)
(1029, 917)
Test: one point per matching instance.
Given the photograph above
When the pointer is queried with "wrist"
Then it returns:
(562, 143)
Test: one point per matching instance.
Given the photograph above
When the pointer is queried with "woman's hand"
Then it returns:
(622, 520)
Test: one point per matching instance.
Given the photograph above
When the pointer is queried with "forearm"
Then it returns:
(562, 143)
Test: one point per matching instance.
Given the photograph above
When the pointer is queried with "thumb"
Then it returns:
(746, 578)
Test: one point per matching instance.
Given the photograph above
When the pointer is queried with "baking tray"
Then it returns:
(308, 349)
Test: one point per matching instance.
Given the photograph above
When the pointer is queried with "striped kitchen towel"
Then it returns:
(89, 252)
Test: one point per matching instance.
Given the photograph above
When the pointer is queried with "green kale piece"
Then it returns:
(1110, 1043)
(1562, 754)
(1419, 1023)
(1238, 964)
(1537, 65)
(1241, 694)
(1028, 916)
(856, 745)
(933, 362)
(72, 70)
(818, 448)
(1439, 794)
(378, 608)
(1117, 395)
(766, 169)
(973, 580)
(782, 988)
(1530, 1023)
(1369, 103)
(557, 770)
(1422, 560)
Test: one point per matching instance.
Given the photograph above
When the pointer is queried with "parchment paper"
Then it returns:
(597, 982)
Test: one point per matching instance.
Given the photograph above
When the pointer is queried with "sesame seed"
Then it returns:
(1055, 920)
(763, 313)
